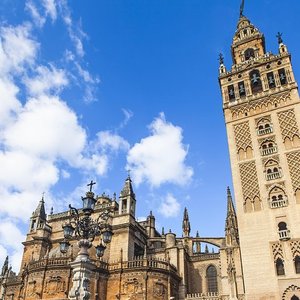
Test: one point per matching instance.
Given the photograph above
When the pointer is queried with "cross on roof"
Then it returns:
(91, 185)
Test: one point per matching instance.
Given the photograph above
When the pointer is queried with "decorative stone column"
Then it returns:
(83, 270)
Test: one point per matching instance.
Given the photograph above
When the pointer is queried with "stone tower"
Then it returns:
(262, 114)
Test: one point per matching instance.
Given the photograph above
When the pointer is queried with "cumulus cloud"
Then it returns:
(41, 138)
(169, 206)
(47, 79)
(160, 157)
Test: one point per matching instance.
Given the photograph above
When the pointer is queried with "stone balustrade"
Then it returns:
(141, 262)
(203, 296)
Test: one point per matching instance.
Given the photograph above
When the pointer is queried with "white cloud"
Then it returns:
(48, 79)
(50, 8)
(160, 157)
(111, 141)
(37, 17)
(17, 49)
(169, 206)
(128, 114)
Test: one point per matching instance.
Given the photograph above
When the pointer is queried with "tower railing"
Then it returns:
(265, 131)
(273, 175)
(269, 150)
(284, 234)
(279, 203)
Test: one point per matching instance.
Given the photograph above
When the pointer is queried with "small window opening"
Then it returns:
(271, 80)
(231, 93)
(282, 76)
(297, 264)
(249, 53)
(256, 84)
(242, 90)
(279, 267)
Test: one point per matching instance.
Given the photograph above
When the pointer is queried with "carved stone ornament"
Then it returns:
(159, 290)
(54, 285)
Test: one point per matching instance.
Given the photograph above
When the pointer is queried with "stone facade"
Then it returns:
(262, 114)
(139, 263)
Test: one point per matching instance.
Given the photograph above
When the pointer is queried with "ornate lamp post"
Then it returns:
(84, 228)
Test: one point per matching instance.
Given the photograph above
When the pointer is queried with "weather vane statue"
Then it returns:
(242, 8)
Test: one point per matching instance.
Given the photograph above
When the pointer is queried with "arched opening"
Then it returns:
(295, 298)
(257, 204)
(212, 280)
(297, 264)
(256, 84)
(248, 205)
(249, 53)
(282, 226)
(279, 267)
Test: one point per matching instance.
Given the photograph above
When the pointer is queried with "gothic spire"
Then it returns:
(5, 267)
(40, 210)
(231, 226)
(127, 189)
(186, 226)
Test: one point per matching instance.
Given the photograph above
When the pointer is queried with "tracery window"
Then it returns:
(212, 280)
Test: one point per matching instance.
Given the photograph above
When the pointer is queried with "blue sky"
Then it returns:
(93, 88)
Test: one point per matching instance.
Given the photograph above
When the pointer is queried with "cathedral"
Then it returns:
(119, 257)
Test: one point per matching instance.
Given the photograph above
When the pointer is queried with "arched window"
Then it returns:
(256, 85)
(297, 264)
(249, 53)
(282, 226)
(279, 267)
(295, 298)
(212, 281)
(284, 233)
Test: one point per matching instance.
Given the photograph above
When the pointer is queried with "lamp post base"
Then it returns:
(83, 269)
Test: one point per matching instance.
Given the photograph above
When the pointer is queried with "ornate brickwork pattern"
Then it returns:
(277, 251)
(295, 248)
(249, 180)
(293, 159)
(259, 104)
(288, 124)
(242, 136)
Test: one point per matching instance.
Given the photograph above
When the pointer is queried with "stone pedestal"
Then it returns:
(83, 270)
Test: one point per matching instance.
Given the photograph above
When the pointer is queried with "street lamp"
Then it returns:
(84, 228)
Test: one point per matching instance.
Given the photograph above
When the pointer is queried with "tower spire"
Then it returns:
(231, 226)
(5, 266)
(242, 8)
(127, 198)
(186, 226)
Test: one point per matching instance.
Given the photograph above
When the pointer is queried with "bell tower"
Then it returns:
(262, 114)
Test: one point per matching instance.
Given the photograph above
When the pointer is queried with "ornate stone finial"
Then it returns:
(91, 185)
(163, 231)
(128, 173)
(114, 196)
(186, 226)
(197, 234)
(242, 8)
(279, 38)
(51, 211)
(206, 249)
(221, 59)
